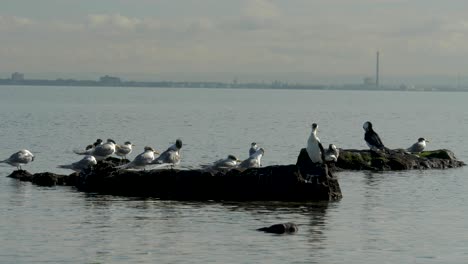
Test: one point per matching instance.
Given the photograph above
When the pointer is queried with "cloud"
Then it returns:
(115, 21)
(8, 23)
(261, 9)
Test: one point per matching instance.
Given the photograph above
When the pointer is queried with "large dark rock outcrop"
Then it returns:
(302, 182)
(393, 160)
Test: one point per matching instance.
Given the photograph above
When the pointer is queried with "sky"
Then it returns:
(304, 41)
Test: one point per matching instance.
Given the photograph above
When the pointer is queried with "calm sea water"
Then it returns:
(393, 217)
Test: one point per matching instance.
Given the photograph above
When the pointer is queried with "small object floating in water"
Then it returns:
(284, 228)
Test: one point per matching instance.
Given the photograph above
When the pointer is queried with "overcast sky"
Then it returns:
(302, 39)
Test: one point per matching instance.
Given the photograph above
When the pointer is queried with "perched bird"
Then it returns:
(254, 160)
(96, 143)
(371, 137)
(123, 150)
(171, 156)
(332, 153)
(100, 152)
(80, 165)
(314, 147)
(141, 160)
(19, 158)
(253, 148)
(228, 163)
(418, 146)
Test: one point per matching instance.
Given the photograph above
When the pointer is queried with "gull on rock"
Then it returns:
(19, 158)
(254, 160)
(80, 165)
(418, 146)
(141, 160)
(100, 152)
(171, 156)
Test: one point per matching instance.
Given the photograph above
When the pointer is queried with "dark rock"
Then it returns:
(393, 160)
(281, 183)
(44, 178)
(319, 174)
(285, 228)
(21, 175)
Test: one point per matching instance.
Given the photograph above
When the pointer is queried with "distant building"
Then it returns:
(110, 80)
(17, 76)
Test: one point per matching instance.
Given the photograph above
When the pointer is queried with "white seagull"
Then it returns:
(171, 156)
(253, 148)
(19, 158)
(80, 165)
(141, 160)
(100, 152)
(254, 160)
(228, 163)
(123, 150)
(332, 153)
(418, 146)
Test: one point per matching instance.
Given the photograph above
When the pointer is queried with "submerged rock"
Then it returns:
(285, 228)
(392, 160)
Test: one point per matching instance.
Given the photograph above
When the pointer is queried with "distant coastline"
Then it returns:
(109, 81)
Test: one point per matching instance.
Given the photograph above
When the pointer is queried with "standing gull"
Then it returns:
(254, 160)
(100, 152)
(171, 156)
(141, 160)
(253, 148)
(418, 146)
(123, 150)
(314, 147)
(371, 137)
(80, 165)
(19, 158)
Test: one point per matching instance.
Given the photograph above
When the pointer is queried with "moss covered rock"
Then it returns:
(394, 160)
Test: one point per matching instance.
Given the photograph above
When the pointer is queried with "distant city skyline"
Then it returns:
(322, 41)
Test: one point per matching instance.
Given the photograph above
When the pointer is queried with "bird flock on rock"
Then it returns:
(99, 150)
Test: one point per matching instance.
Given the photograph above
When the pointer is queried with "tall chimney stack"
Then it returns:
(377, 72)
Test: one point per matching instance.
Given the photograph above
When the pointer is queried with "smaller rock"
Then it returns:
(21, 175)
(285, 228)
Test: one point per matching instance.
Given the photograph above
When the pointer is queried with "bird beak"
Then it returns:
(133, 145)
(156, 152)
(427, 140)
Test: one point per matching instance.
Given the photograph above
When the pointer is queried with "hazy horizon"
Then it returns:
(330, 42)
(224, 77)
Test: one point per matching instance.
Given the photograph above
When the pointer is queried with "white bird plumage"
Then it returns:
(100, 152)
(171, 156)
(141, 160)
(332, 153)
(418, 146)
(80, 165)
(254, 160)
(19, 158)
(228, 163)
(253, 148)
(314, 147)
(123, 150)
